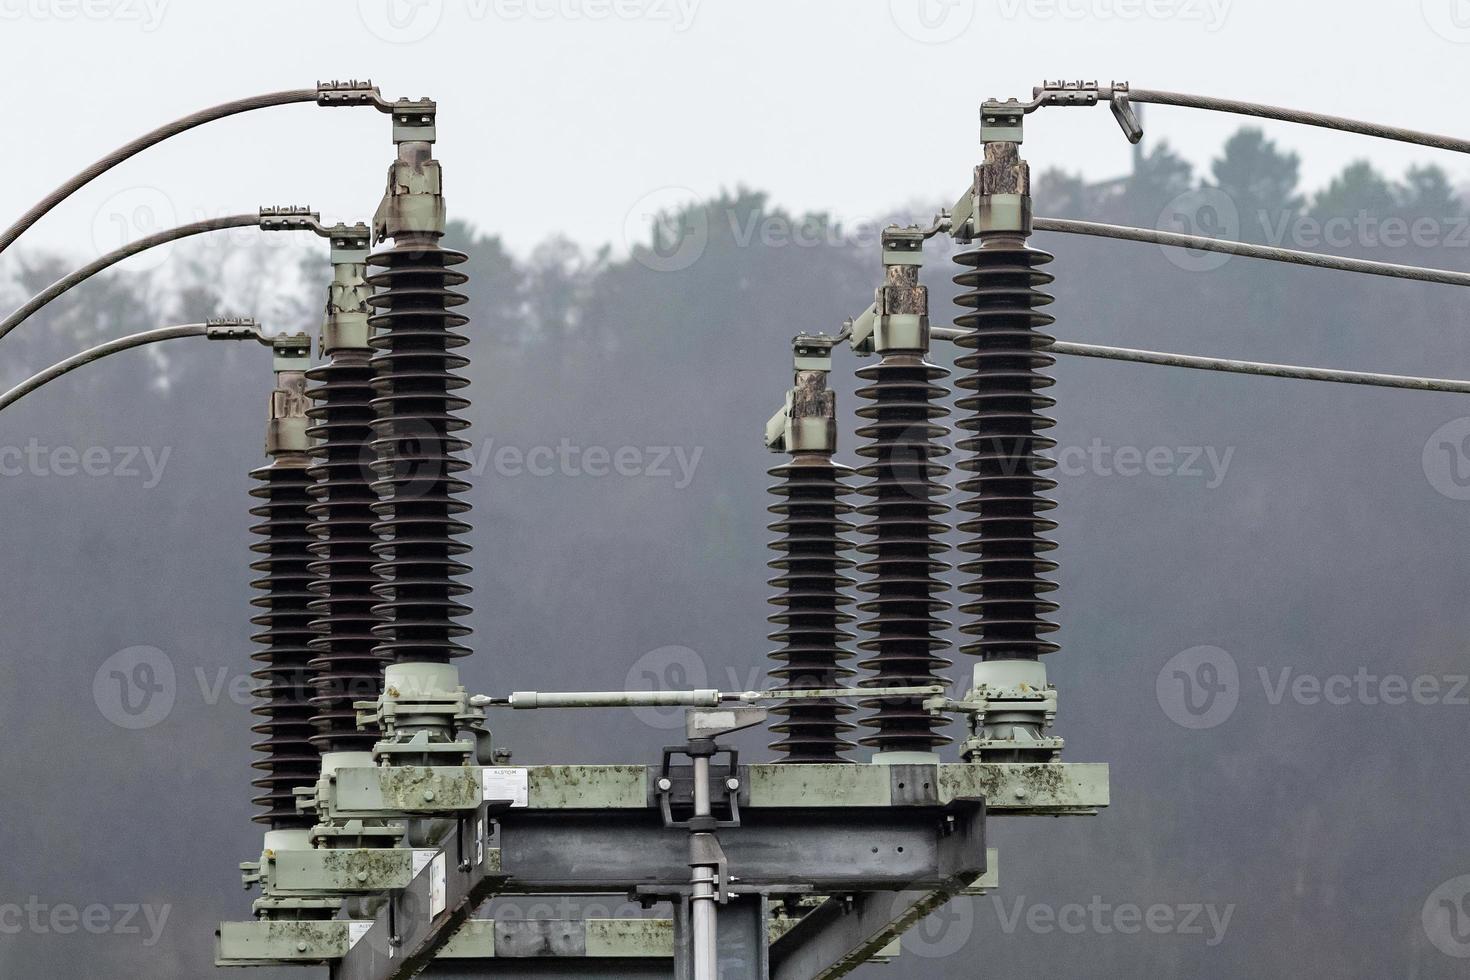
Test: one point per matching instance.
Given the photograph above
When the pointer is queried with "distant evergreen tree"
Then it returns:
(1261, 181)
(1160, 176)
(1358, 191)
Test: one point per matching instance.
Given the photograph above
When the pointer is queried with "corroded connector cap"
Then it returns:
(807, 423)
(345, 325)
(413, 203)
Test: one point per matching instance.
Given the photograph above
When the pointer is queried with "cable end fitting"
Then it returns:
(289, 217)
(1081, 93)
(234, 328)
(350, 92)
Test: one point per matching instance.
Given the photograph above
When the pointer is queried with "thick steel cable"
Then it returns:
(96, 353)
(1233, 366)
(1262, 111)
(1271, 253)
(8, 237)
(86, 272)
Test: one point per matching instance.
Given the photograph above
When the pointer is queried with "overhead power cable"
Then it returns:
(1068, 226)
(1233, 366)
(1262, 111)
(214, 330)
(9, 235)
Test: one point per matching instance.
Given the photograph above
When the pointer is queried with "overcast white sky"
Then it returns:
(565, 115)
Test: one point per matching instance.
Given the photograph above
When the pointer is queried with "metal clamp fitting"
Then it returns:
(289, 217)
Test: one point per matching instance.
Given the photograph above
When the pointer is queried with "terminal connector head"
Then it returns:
(1001, 122)
(1084, 93)
(903, 245)
(413, 120)
(813, 351)
(347, 236)
(1065, 93)
(291, 344)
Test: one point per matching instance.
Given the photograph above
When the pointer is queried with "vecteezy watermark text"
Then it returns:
(411, 21)
(124, 462)
(1446, 917)
(942, 21)
(147, 14)
(1100, 459)
(1202, 686)
(40, 918)
(1102, 918)
(676, 463)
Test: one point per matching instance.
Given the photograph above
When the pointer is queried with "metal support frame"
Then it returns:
(579, 829)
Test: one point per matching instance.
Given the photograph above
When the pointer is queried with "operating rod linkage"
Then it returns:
(701, 698)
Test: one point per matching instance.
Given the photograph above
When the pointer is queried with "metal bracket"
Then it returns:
(666, 785)
(391, 791)
(268, 943)
(344, 871)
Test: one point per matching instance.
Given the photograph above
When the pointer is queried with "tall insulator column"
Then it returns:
(903, 566)
(345, 667)
(1006, 351)
(416, 405)
(283, 690)
(810, 563)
